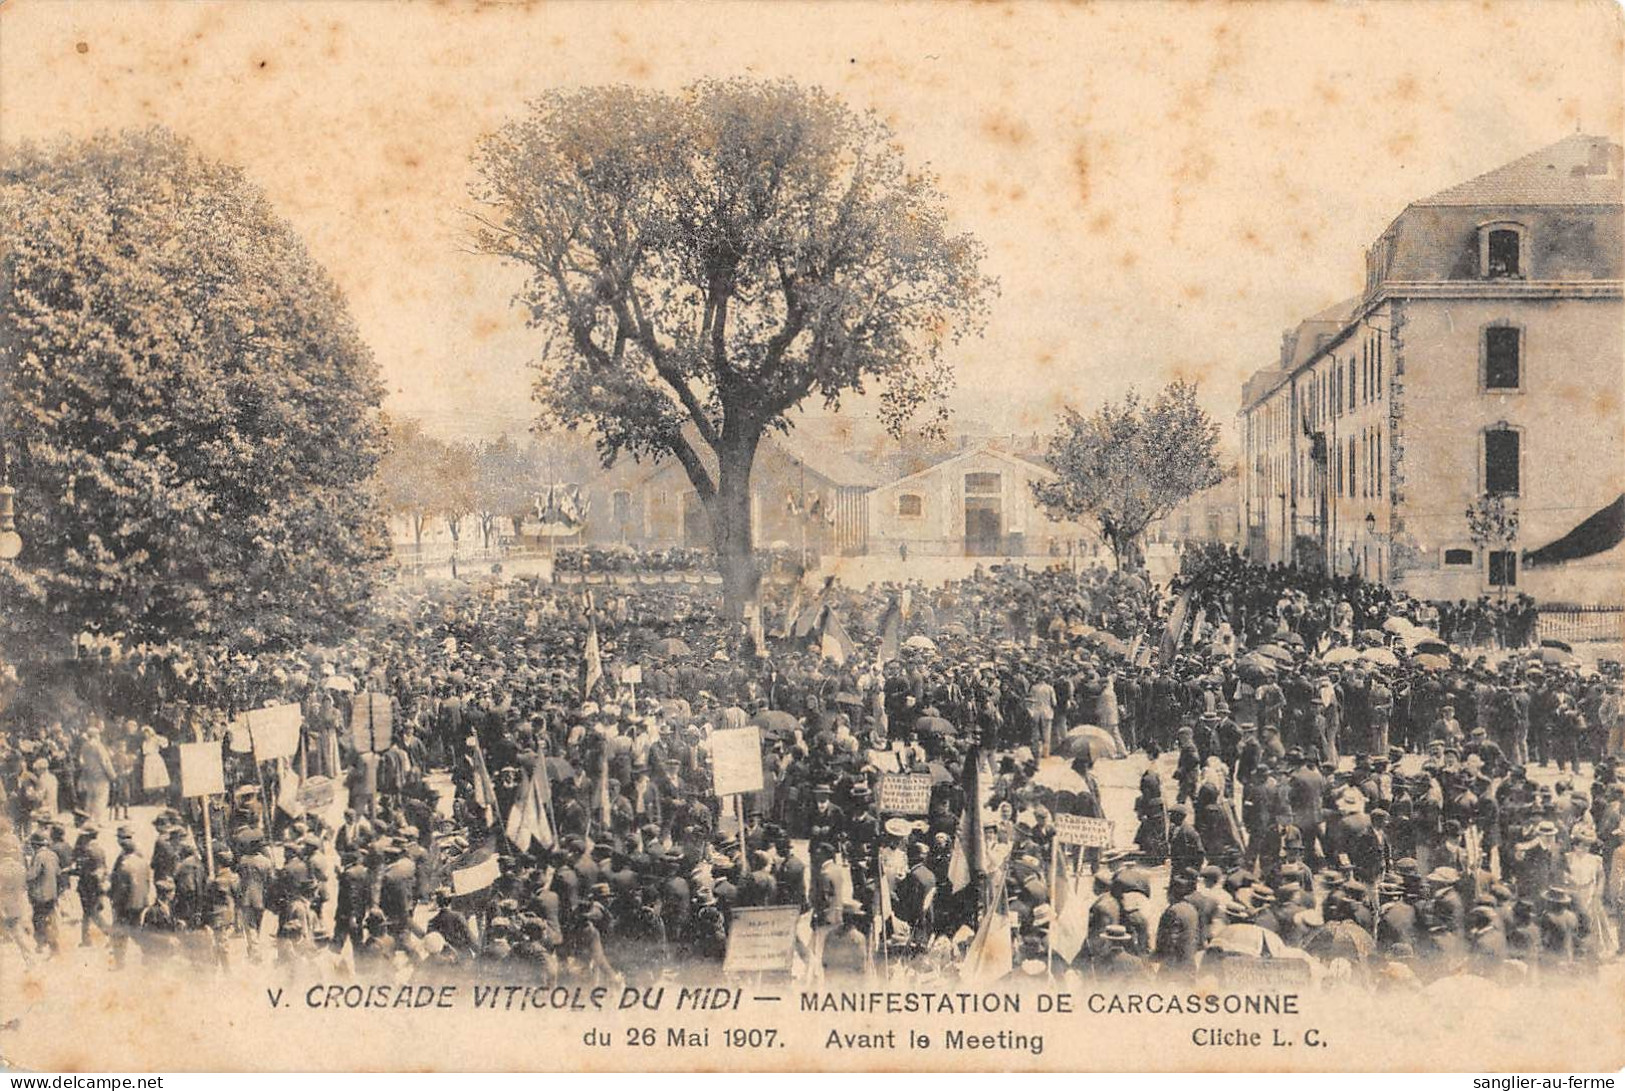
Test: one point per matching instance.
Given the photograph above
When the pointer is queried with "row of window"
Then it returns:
(1502, 564)
(912, 505)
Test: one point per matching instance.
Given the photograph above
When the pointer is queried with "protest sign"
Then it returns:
(887, 761)
(317, 793)
(275, 731)
(202, 773)
(1071, 829)
(1265, 974)
(736, 760)
(761, 939)
(905, 793)
(632, 675)
(371, 722)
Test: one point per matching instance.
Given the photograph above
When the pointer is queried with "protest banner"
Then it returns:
(371, 722)
(275, 731)
(1265, 974)
(1072, 829)
(202, 773)
(761, 940)
(736, 760)
(887, 761)
(905, 793)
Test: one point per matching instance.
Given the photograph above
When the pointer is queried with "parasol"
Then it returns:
(671, 647)
(1431, 646)
(559, 769)
(1096, 742)
(1432, 662)
(1397, 624)
(1110, 642)
(1294, 639)
(1057, 775)
(1255, 669)
(933, 725)
(1275, 652)
(1382, 657)
(1375, 636)
(1340, 655)
(920, 643)
(1555, 657)
(940, 774)
(341, 683)
(1341, 939)
(1558, 644)
(1251, 941)
(776, 722)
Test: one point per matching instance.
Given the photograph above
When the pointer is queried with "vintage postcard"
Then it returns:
(811, 536)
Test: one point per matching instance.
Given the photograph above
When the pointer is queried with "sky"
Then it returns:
(1161, 188)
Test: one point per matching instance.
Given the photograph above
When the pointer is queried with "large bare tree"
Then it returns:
(704, 262)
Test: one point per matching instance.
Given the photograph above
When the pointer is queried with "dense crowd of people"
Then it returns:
(1343, 787)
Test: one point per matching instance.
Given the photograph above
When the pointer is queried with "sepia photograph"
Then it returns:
(812, 537)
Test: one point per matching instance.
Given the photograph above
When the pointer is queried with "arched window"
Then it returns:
(910, 506)
(1501, 250)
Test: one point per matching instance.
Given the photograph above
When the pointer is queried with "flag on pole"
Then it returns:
(833, 643)
(528, 821)
(1175, 629)
(1071, 927)
(991, 953)
(891, 631)
(593, 657)
(485, 792)
(475, 870)
(968, 860)
(791, 615)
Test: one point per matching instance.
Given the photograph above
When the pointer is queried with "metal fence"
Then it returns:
(1574, 624)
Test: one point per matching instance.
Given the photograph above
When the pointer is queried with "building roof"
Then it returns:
(1577, 170)
(979, 449)
(835, 464)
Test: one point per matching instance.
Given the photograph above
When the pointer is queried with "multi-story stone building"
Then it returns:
(1485, 357)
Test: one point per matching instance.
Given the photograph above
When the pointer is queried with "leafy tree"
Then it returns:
(1130, 463)
(409, 475)
(456, 487)
(1492, 525)
(507, 478)
(188, 411)
(702, 263)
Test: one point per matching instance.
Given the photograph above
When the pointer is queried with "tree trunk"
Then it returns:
(729, 511)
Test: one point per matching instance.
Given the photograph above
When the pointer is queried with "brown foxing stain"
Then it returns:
(1101, 222)
(1081, 170)
(1401, 144)
(1001, 128)
(81, 47)
(1406, 88)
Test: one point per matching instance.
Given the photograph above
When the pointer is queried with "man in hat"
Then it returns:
(90, 876)
(44, 877)
(129, 891)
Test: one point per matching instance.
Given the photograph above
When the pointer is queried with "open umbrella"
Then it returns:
(1376, 636)
(1294, 639)
(940, 774)
(920, 643)
(1275, 652)
(341, 683)
(671, 647)
(1110, 642)
(1431, 646)
(776, 722)
(1250, 941)
(1340, 655)
(1057, 775)
(1397, 624)
(933, 725)
(559, 769)
(1341, 939)
(1255, 669)
(1432, 662)
(1558, 644)
(1556, 657)
(1382, 657)
(1096, 742)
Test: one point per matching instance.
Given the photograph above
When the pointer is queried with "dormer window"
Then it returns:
(1501, 250)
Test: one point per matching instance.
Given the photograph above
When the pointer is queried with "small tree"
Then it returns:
(456, 491)
(1492, 525)
(506, 477)
(1129, 464)
(409, 475)
(705, 262)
